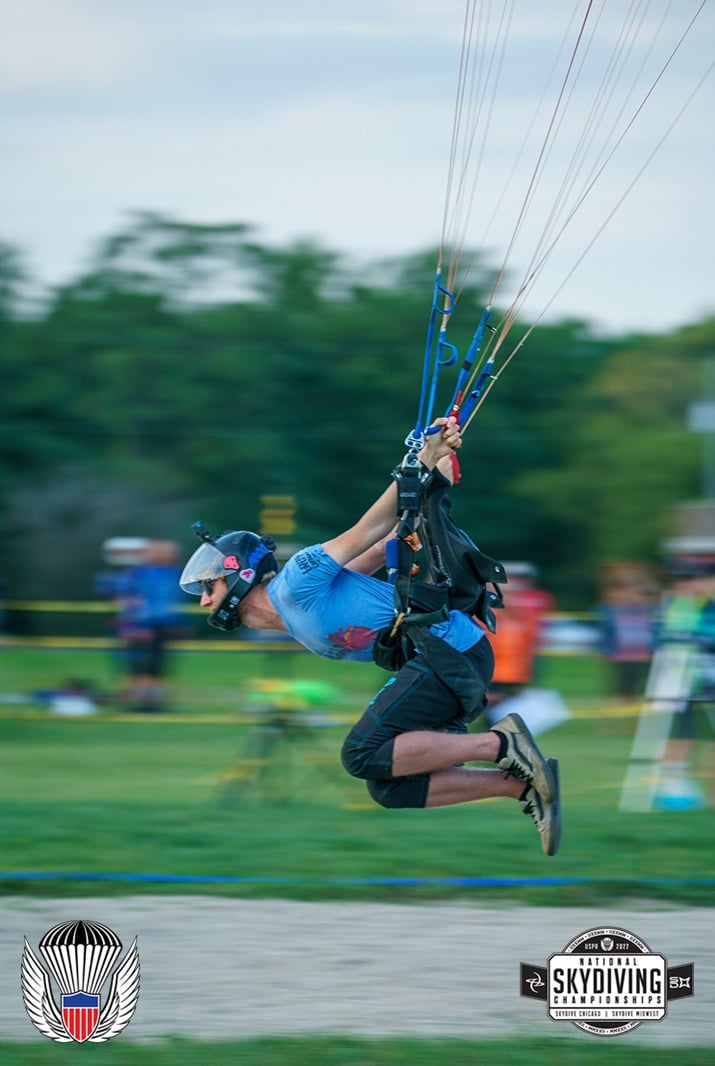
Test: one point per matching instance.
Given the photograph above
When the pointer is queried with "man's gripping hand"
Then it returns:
(445, 440)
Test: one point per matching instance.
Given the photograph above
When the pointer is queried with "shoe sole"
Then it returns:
(543, 780)
(555, 827)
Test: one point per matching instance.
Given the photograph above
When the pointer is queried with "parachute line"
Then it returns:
(616, 58)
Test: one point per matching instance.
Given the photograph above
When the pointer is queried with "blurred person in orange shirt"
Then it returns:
(517, 638)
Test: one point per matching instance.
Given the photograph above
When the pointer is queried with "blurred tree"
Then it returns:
(633, 457)
(12, 276)
(195, 369)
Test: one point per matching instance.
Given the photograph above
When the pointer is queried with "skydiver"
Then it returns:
(412, 742)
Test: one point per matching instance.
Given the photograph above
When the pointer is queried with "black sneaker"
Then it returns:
(522, 758)
(546, 816)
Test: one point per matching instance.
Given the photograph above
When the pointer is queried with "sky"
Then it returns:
(332, 121)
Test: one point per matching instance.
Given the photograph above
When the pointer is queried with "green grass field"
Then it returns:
(213, 791)
(330, 1051)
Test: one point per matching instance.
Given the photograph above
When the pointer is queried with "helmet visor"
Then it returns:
(206, 564)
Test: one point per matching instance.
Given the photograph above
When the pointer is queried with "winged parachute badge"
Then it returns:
(79, 956)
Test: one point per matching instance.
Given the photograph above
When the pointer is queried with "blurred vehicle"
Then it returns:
(565, 633)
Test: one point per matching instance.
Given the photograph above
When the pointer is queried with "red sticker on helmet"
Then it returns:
(231, 563)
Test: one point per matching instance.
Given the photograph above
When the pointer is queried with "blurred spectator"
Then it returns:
(626, 617)
(516, 644)
(687, 624)
(147, 597)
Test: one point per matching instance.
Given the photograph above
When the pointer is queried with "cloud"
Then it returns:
(332, 120)
(69, 45)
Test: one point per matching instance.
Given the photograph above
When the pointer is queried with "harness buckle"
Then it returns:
(415, 442)
(413, 540)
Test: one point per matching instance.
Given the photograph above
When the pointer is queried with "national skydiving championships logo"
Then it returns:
(80, 956)
(606, 982)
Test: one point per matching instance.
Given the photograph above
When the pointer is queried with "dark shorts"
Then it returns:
(440, 690)
(147, 655)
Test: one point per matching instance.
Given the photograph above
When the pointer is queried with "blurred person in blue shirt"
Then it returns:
(148, 609)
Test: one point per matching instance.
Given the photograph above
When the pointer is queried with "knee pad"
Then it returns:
(369, 762)
(400, 792)
(352, 757)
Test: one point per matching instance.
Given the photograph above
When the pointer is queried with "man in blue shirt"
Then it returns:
(412, 742)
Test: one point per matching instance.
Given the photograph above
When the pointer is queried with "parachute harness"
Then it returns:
(456, 576)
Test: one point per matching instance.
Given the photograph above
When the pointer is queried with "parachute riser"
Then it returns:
(454, 409)
(438, 353)
(459, 407)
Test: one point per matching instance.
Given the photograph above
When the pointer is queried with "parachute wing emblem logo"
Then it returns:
(80, 956)
(39, 1003)
(122, 1000)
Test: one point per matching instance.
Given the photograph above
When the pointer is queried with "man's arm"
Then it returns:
(379, 520)
(373, 559)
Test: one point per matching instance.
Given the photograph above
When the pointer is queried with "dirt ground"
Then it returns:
(214, 968)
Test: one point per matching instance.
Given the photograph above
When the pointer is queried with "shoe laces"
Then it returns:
(515, 770)
(532, 808)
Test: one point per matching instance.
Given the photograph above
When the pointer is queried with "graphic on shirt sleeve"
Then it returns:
(307, 560)
(353, 638)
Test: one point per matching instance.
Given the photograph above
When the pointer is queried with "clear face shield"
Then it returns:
(206, 564)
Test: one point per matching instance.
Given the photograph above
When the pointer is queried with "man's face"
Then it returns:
(214, 592)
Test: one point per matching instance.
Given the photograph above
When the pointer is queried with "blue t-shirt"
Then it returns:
(337, 613)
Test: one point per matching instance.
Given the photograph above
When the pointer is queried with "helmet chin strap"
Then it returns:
(227, 616)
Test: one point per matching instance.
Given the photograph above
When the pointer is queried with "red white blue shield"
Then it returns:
(80, 1013)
